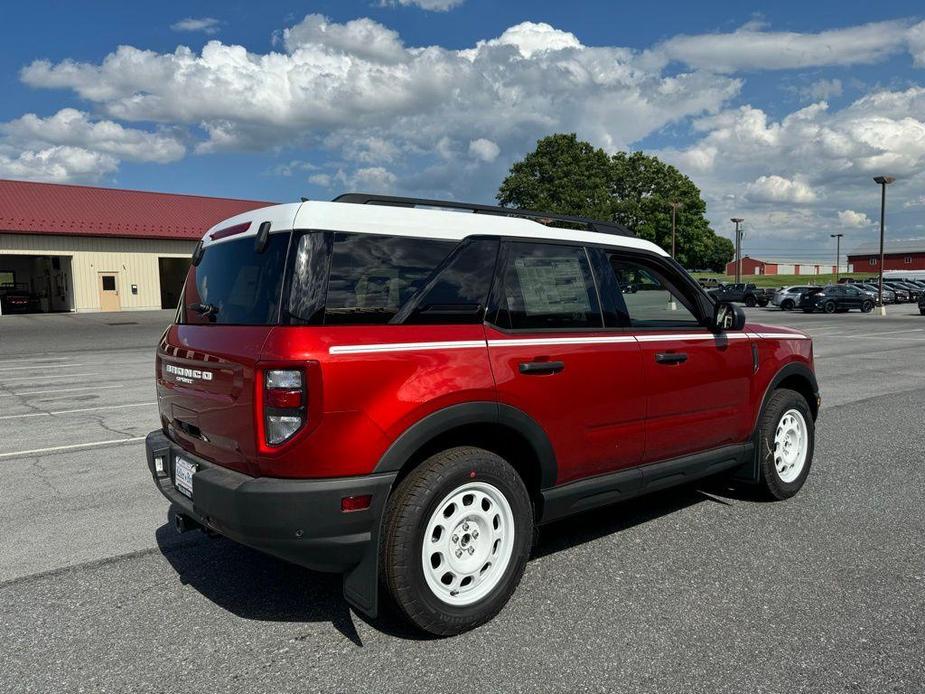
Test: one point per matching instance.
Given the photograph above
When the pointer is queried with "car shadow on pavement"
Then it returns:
(253, 585)
(256, 586)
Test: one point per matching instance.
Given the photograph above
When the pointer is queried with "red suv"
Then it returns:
(404, 394)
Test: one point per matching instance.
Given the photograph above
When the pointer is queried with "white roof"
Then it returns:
(411, 221)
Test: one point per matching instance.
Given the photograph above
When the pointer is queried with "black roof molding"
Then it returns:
(394, 201)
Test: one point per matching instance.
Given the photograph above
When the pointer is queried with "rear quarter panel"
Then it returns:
(375, 382)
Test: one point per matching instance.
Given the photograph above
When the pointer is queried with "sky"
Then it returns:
(780, 113)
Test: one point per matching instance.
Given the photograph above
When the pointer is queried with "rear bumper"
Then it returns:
(295, 519)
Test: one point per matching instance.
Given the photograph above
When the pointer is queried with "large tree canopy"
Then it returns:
(568, 176)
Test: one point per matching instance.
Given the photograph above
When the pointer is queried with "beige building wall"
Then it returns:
(133, 261)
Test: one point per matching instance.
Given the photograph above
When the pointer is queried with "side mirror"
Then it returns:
(727, 316)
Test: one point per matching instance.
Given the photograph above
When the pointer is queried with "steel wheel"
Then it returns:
(468, 543)
(791, 443)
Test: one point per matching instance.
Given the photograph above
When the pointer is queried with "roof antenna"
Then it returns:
(303, 199)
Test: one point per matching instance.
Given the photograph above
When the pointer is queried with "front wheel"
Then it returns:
(829, 307)
(750, 301)
(867, 307)
(458, 532)
(786, 438)
(786, 305)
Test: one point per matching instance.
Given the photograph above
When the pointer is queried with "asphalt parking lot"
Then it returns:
(697, 590)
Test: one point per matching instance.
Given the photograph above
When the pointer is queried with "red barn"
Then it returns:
(897, 255)
(753, 266)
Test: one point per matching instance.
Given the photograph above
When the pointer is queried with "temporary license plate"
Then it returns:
(183, 476)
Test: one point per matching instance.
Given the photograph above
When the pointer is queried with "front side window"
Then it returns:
(547, 287)
(647, 297)
(233, 284)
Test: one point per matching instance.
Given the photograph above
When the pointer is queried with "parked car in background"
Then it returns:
(836, 298)
(15, 297)
(914, 290)
(903, 295)
(743, 293)
(786, 298)
(709, 282)
(922, 304)
(889, 297)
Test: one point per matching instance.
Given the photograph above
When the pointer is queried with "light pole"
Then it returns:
(837, 238)
(674, 212)
(883, 182)
(737, 221)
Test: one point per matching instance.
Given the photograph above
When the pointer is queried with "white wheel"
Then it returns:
(468, 543)
(791, 445)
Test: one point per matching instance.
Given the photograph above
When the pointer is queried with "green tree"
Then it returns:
(562, 175)
(566, 175)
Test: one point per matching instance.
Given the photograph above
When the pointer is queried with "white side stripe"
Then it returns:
(405, 346)
(551, 341)
(529, 342)
(781, 336)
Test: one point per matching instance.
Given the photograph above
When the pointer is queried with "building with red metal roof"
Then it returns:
(83, 248)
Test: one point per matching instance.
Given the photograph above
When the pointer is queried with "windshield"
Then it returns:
(235, 285)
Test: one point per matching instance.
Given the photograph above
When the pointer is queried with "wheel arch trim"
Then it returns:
(446, 419)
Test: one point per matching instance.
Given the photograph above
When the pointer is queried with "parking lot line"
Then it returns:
(52, 449)
(59, 390)
(45, 378)
(35, 367)
(82, 409)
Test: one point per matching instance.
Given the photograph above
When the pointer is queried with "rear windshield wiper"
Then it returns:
(204, 309)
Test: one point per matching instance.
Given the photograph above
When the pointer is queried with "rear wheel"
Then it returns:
(867, 306)
(750, 301)
(458, 532)
(829, 307)
(786, 437)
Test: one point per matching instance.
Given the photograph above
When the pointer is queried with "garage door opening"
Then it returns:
(35, 284)
(172, 275)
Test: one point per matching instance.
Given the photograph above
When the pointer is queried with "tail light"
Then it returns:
(284, 400)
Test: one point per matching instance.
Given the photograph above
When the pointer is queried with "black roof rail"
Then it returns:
(395, 201)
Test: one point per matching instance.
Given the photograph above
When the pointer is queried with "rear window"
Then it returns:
(235, 285)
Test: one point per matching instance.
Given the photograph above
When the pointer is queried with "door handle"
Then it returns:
(670, 357)
(533, 368)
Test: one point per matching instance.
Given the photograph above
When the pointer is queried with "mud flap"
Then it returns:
(361, 583)
(749, 472)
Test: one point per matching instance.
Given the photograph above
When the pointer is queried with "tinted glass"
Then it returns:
(458, 292)
(547, 286)
(373, 276)
(305, 304)
(648, 297)
(109, 283)
(235, 285)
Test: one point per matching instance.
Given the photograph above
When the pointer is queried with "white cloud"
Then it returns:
(752, 48)
(822, 90)
(323, 180)
(206, 25)
(370, 179)
(74, 128)
(483, 149)
(779, 189)
(432, 5)
(59, 164)
(336, 83)
(856, 220)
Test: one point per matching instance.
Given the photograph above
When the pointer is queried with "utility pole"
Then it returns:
(883, 182)
(837, 238)
(674, 211)
(737, 221)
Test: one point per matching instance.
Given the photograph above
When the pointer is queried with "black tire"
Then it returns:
(407, 515)
(829, 307)
(782, 401)
(867, 307)
(922, 311)
(786, 305)
(750, 301)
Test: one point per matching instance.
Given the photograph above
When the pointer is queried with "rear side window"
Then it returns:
(372, 276)
(235, 285)
(547, 287)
